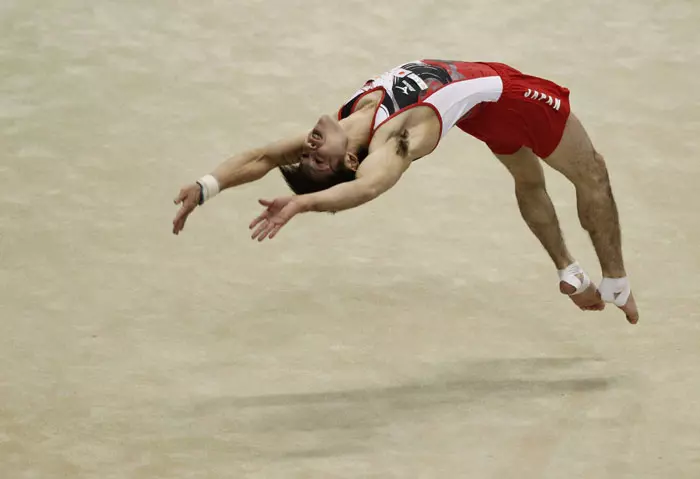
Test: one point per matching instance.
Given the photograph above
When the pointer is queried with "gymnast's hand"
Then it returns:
(277, 213)
(189, 197)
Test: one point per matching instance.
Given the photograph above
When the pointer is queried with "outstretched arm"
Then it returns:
(240, 169)
(254, 164)
(377, 174)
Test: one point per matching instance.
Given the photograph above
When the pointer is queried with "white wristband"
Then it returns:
(209, 187)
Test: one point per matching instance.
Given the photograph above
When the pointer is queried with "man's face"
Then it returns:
(325, 149)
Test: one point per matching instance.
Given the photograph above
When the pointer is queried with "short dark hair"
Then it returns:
(301, 182)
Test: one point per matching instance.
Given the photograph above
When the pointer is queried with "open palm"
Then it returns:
(277, 213)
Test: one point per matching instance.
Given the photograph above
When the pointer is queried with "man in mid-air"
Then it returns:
(401, 116)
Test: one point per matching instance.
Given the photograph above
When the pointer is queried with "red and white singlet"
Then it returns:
(491, 101)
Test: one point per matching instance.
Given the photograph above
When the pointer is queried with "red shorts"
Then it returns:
(531, 112)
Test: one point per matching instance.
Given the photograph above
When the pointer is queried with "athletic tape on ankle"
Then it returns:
(575, 276)
(209, 187)
(615, 290)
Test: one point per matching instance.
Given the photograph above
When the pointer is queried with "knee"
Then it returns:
(598, 171)
(594, 195)
(598, 157)
(529, 184)
(534, 202)
(592, 180)
(530, 191)
(528, 179)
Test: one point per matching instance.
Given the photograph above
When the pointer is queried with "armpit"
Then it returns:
(402, 143)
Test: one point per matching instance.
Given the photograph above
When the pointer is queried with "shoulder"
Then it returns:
(369, 100)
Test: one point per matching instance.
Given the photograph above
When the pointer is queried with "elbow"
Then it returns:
(372, 189)
(370, 192)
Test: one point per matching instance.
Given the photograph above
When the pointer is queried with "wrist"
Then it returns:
(304, 203)
(209, 187)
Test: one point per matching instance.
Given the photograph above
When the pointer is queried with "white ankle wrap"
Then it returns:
(615, 290)
(575, 276)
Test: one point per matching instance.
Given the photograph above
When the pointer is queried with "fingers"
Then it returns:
(262, 227)
(262, 222)
(182, 196)
(187, 197)
(179, 221)
(263, 230)
(257, 220)
(274, 231)
(176, 222)
(277, 214)
(267, 229)
(182, 214)
(270, 232)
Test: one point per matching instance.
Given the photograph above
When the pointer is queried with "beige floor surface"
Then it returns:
(421, 336)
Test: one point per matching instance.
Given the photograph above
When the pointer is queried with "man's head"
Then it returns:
(325, 159)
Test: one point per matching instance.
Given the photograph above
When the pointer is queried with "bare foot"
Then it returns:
(588, 300)
(630, 310)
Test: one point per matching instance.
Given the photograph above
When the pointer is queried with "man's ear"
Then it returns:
(351, 161)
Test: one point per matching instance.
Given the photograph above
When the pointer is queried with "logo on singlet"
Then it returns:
(551, 101)
(405, 88)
